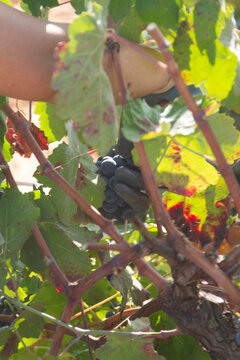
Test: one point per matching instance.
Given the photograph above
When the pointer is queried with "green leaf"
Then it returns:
(50, 299)
(131, 26)
(3, 274)
(35, 7)
(6, 2)
(72, 260)
(181, 347)
(179, 117)
(230, 39)
(29, 324)
(78, 5)
(163, 13)
(118, 9)
(120, 347)
(202, 57)
(84, 91)
(226, 134)
(139, 118)
(79, 235)
(17, 217)
(54, 129)
(178, 347)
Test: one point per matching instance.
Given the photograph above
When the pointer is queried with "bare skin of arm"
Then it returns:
(27, 60)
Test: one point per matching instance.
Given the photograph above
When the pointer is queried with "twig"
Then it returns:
(86, 327)
(198, 114)
(96, 305)
(108, 247)
(153, 243)
(51, 262)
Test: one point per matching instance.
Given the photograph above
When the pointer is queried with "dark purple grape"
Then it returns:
(110, 196)
(120, 161)
(98, 163)
(238, 338)
(238, 323)
(121, 202)
(109, 207)
(110, 313)
(108, 166)
(112, 182)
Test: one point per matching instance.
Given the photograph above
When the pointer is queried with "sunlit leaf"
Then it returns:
(202, 217)
(54, 129)
(163, 13)
(202, 57)
(177, 168)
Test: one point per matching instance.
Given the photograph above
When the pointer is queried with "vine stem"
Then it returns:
(199, 115)
(60, 276)
(80, 332)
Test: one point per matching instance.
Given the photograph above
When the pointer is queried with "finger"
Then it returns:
(129, 177)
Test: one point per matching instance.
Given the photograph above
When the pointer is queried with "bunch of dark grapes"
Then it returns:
(122, 177)
(238, 334)
(5, 309)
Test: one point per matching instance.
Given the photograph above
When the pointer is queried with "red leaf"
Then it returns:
(18, 143)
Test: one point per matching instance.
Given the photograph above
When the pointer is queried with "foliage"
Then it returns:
(206, 47)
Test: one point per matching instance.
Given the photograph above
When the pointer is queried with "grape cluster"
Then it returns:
(123, 190)
(238, 334)
(4, 310)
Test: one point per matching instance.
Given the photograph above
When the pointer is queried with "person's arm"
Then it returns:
(27, 60)
(26, 54)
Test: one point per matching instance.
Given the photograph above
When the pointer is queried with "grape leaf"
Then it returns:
(18, 216)
(175, 167)
(53, 128)
(202, 217)
(179, 117)
(29, 324)
(61, 241)
(35, 7)
(50, 299)
(78, 5)
(230, 38)
(79, 235)
(118, 9)
(178, 347)
(203, 61)
(131, 26)
(84, 91)
(118, 347)
(139, 118)
(163, 13)
(226, 134)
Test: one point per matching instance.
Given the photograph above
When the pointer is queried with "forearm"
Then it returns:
(26, 54)
(27, 60)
